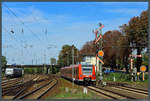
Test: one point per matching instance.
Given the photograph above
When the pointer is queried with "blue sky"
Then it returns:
(47, 26)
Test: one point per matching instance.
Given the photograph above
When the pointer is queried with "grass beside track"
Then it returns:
(126, 78)
(121, 77)
(67, 91)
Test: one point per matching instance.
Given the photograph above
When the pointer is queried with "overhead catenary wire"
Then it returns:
(10, 35)
(17, 41)
(45, 38)
(21, 21)
(45, 28)
(22, 30)
(13, 38)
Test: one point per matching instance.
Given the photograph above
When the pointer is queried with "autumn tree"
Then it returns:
(115, 47)
(88, 48)
(137, 32)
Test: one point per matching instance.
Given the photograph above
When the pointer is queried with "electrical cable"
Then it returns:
(21, 21)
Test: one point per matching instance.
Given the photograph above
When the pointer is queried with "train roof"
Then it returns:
(69, 66)
(83, 64)
(14, 68)
(86, 63)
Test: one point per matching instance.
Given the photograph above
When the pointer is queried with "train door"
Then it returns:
(80, 73)
(93, 73)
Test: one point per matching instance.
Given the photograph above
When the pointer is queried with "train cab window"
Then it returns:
(87, 69)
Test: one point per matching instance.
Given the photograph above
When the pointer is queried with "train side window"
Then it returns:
(71, 71)
(74, 71)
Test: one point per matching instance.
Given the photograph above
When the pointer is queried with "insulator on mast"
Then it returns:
(12, 30)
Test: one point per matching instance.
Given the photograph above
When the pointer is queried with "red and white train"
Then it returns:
(81, 73)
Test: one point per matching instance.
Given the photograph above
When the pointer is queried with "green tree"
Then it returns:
(54, 70)
(65, 55)
(4, 62)
(39, 70)
(145, 59)
(53, 61)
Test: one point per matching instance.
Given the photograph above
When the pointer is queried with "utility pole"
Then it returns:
(133, 70)
(77, 56)
(100, 48)
(67, 58)
(44, 62)
(36, 61)
(73, 64)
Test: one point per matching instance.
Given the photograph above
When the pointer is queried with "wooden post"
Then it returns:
(143, 76)
(131, 67)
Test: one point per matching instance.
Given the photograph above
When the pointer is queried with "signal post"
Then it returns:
(143, 70)
(99, 52)
(133, 70)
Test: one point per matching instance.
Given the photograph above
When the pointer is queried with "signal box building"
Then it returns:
(91, 60)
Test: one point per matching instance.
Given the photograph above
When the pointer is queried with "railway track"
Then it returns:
(9, 93)
(108, 94)
(135, 88)
(4, 78)
(15, 90)
(8, 80)
(15, 81)
(137, 93)
(12, 89)
(120, 92)
(6, 90)
(40, 91)
(11, 83)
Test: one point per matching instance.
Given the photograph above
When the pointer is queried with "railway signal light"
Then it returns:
(100, 53)
(143, 68)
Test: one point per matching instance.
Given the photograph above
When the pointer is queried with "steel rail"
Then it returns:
(35, 90)
(116, 93)
(133, 90)
(17, 95)
(112, 97)
(137, 88)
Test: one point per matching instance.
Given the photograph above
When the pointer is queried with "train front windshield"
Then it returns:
(87, 69)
